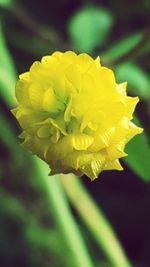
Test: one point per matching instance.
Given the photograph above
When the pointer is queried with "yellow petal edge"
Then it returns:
(74, 115)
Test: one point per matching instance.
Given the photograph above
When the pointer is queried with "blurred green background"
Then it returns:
(31, 231)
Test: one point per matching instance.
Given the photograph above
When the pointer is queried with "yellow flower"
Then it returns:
(74, 115)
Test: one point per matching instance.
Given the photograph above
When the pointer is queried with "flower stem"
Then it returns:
(95, 220)
(58, 201)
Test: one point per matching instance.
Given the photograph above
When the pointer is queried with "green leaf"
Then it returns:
(89, 28)
(122, 47)
(8, 74)
(138, 158)
(5, 3)
(138, 80)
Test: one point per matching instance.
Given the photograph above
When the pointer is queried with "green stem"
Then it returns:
(95, 220)
(8, 74)
(58, 201)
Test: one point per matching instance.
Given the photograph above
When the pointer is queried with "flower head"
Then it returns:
(74, 115)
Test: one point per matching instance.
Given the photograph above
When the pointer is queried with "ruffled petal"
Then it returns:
(113, 165)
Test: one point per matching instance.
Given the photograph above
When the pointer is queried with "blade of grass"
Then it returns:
(128, 48)
(7, 71)
(95, 220)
